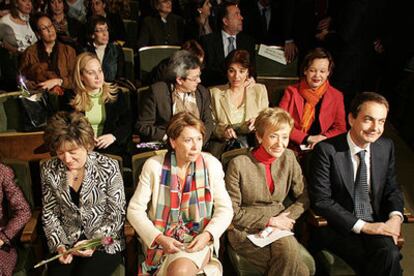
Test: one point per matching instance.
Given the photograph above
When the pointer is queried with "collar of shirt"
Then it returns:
(354, 149)
(225, 37)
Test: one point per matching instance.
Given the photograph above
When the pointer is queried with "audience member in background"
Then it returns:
(181, 207)
(48, 64)
(220, 43)
(317, 108)
(15, 31)
(109, 53)
(270, 22)
(121, 7)
(77, 10)
(197, 14)
(104, 105)
(260, 184)
(114, 21)
(163, 27)
(181, 92)
(83, 199)
(14, 214)
(235, 106)
(160, 72)
(68, 29)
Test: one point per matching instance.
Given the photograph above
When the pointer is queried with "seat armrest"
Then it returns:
(29, 234)
(316, 220)
(408, 217)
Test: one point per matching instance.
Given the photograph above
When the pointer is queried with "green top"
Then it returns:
(97, 114)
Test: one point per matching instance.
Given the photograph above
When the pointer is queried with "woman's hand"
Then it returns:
(65, 259)
(229, 133)
(169, 244)
(199, 242)
(314, 139)
(83, 253)
(282, 221)
(49, 84)
(250, 124)
(249, 82)
(1, 243)
(104, 141)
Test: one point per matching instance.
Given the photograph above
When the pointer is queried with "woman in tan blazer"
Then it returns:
(268, 194)
(236, 105)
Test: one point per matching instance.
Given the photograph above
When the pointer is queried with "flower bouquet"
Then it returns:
(91, 244)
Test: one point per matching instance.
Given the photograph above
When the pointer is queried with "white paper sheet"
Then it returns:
(275, 53)
(275, 235)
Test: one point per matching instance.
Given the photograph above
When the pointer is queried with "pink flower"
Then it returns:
(107, 241)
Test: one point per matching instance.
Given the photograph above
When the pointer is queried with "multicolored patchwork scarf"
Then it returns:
(180, 215)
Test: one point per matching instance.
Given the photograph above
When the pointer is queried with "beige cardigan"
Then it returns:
(256, 100)
(142, 207)
(253, 204)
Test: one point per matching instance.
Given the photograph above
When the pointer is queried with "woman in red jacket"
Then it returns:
(317, 108)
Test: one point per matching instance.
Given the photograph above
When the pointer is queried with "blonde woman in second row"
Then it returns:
(236, 105)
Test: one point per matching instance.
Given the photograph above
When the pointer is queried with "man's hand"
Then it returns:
(199, 242)
(282, 221)
(169, 244)
(388, 228)
(1, 243)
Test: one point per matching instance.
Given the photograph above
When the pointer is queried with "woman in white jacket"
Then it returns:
(172, 208)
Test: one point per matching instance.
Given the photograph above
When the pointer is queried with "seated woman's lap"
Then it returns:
(185, 261)
(100, 263)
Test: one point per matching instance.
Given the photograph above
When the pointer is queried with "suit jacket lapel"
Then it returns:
(166, 103)
(225, 103)
(344, 163)
(376, 168)
(299, 103)
(219, 46)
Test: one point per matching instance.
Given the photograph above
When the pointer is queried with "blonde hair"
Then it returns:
(82, 101)
(272, 118)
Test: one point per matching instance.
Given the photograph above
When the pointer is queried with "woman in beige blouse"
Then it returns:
(236, 105)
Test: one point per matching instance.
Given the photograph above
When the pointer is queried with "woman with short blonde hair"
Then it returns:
(268, 193)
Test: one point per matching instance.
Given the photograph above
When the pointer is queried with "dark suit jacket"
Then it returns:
(332, 182)
(215, 70)
(156, 111)
(331, 116)
(280, 25)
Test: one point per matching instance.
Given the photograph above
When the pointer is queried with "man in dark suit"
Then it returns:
(182, 92)
(353, 185)
(218, 45)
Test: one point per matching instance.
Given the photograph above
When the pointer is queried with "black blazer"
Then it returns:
(215, 70)
(332, 182)
(118, 121)
(156, 111)
(280, 26)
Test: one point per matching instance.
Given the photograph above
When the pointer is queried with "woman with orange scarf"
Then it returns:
(317, 108)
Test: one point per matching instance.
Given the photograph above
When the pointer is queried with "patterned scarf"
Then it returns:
(180, 215)
(312, 97)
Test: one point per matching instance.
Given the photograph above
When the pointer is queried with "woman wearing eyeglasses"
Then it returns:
(103, 104)
(109, 54)
(48, 64)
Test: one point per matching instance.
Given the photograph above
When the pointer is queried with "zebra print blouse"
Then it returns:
(101, 210)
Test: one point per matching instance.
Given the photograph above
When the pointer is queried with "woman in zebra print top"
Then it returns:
(83, 198)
